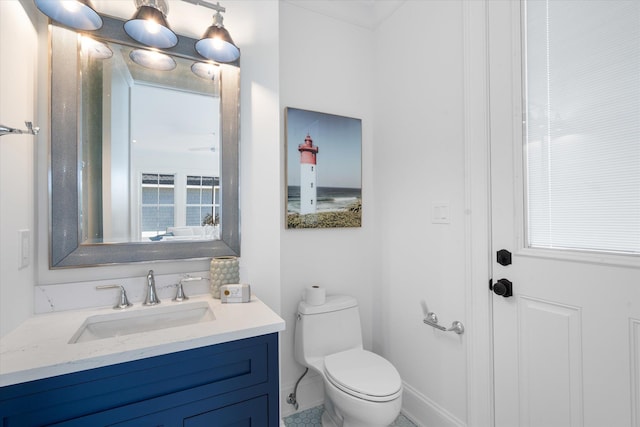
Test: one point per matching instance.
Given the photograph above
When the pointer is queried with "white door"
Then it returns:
(567, 342)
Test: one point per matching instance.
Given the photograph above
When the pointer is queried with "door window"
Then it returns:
(582, 125)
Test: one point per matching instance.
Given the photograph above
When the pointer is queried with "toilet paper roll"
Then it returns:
(315, 295)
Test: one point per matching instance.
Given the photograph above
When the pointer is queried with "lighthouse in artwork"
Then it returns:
(308, 193)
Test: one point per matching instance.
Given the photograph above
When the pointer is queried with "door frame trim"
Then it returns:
(478, 303)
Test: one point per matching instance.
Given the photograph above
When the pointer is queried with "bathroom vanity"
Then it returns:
(222, 371)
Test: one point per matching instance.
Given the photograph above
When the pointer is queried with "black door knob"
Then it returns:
(503, 287)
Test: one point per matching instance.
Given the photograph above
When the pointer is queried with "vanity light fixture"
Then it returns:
(77, 14)
(152, 59)
(216, 43)
(149, 25)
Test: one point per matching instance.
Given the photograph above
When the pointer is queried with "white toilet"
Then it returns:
(361, 388)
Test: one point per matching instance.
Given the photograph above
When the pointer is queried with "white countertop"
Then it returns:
(39, 347)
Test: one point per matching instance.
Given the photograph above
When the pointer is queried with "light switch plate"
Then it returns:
(440, 213)
(24, 239)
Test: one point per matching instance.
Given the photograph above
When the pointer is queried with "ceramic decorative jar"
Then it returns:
(224, 270)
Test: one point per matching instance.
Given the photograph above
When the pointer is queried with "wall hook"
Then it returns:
(6, 130)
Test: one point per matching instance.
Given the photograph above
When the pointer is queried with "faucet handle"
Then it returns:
(180, 296)
(123, 301)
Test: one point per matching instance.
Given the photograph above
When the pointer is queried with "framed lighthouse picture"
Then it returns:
(324, 170)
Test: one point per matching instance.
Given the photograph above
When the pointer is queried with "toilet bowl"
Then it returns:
(362, 389)
(365, 389)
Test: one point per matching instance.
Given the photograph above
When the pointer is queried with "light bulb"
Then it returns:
(71, 6)
(217, 43)
(152, 26)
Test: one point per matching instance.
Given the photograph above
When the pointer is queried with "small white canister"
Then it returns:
(224, 270)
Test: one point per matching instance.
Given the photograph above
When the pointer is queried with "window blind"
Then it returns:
(582, 133)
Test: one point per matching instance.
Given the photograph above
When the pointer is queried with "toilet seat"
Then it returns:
(363, 374)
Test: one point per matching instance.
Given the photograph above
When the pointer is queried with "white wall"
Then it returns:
(255, 26)
(419, 160)
(326, 65)
(431, 146)
(17, 204)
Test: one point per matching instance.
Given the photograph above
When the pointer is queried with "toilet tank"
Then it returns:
(326, 329)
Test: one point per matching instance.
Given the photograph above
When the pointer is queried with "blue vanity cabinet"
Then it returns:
(229, 384)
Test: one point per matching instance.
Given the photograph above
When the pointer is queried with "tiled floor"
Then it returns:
(311, 418)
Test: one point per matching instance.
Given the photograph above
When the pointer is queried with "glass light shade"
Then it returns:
(95, 49)
(77, 14)
(149, 26)
(205, 70)
(152, 59)
(216, 44)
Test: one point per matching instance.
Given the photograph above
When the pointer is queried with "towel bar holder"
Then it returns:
(6, 130)
(432, 320)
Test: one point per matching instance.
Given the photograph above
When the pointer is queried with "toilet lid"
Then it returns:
(363, 374)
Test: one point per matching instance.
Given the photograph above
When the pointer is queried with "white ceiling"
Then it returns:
(363, 13)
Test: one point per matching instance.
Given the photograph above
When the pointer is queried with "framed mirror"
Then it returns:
(144, 153)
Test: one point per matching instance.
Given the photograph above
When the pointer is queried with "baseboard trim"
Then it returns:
(417, 406)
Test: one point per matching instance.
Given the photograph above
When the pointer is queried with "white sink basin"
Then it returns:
(142, 320)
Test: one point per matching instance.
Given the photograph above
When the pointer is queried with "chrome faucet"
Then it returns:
(152, 295)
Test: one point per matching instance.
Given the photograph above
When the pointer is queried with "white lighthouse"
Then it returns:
(308, 192)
